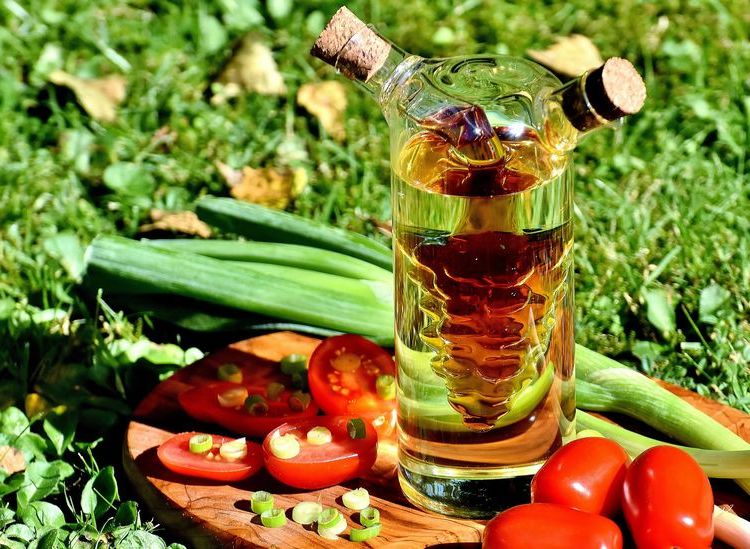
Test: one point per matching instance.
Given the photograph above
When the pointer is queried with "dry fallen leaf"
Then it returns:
(36, 405)
(569, 55)
(178, 222)
(274, 187)
(12, 460)
(98, 96)
(326, 101)
(251, 68)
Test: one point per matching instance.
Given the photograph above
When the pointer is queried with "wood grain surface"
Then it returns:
(211, 514)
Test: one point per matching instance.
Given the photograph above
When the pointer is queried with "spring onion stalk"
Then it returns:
(589, 433)
(363, 534)
(261, 501)
(200, 444)
(604, 385)
(318, 436)
(234, 450)
(731, 529)
(273, 518)
(369, 517)
(356, 428)
(229, 372)
(306, 512)
(357, 499)
(284, 446)
(291, 255)
(331, 523)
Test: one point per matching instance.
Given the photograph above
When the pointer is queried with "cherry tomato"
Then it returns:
(667, 500)
(202, 403)
(343, 372)
(342, 459)
(176, 456)
(586, 474)
(549, 526)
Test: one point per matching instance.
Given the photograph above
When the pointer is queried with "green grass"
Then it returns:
(663, 206)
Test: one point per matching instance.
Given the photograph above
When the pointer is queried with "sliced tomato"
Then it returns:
(176, 456)
(342, 459)
(342, 374)
(202, 403)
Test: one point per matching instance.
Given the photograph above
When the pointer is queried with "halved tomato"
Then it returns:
(318, 466)
(176, 456)
(343, 376)
(202, 403)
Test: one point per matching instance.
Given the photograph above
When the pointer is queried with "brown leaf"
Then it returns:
(569, 55)
(98, 96)
(326, 101)
(177, 222)
(251, 68)
(12, 460)
(274, 187)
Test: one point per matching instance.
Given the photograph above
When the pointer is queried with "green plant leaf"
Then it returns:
(711, 300)
(42, 479)
(41, 514)
(60, 428)
(129, 179)
(100, 492)
(240, 14)
(660, 310)
(13, 421)
(19, 532)
(67, 249)
(51, 540)
(138, 539)
(279, 9)
(213, 33)
(127, 514)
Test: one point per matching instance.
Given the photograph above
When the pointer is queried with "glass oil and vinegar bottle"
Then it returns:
(482, 236)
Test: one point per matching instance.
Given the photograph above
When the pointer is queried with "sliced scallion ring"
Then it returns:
(231, 398)
(274, 389)
(200, 444)
(368, 517)
(356, 500)
(284, 446)
(294, 364)
(261, 501)
(256, 405)
(299, 401)
(273, 518)
(329, 517)
(317, 436)
(306, 512)
(363, 534)
(234, 449)
(229, 372)
(385, 385)
(356, 428)
(331, 523)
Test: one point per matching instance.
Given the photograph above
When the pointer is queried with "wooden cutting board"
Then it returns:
(211, 514)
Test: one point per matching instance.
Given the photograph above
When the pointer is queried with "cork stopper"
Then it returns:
(351, 46)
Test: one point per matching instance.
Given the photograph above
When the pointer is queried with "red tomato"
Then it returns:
(342, 373)
(176, 456)
(202, 403)
(667, 501)
(549, 526)
(342, 459)
(586, 474)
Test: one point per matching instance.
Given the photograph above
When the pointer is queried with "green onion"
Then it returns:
(273, 518)
(299, 401)
(385, 385)
(200, 444)
(317, 436)
(331, 523)
(356, 428)
(261, 501)
(229, 372)
(231, 398)
(256, 405)
(731, 529)
(356, 500)
(363, 534)
(274, 390)
(234, 450)
(369, 517)
(328, 517)
(294, 364)
(284, 446)
(306, 512)
(734, 464)
(589, 433)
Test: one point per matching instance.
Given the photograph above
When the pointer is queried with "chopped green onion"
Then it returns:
(306, 512)
(200, 444)
(294, 364)
(385, 385)
(273, 518)
(231, 398)
(328, 517)
(261, 501)
(317, 436)
(273, 390)
(369, 517)
(234, 450)
(229, 372)
(256, 405)
(356, 500)
(331, 523)
(363, 534)
(299, 381)
(299, 401)
(284, 446)
(356, 428)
